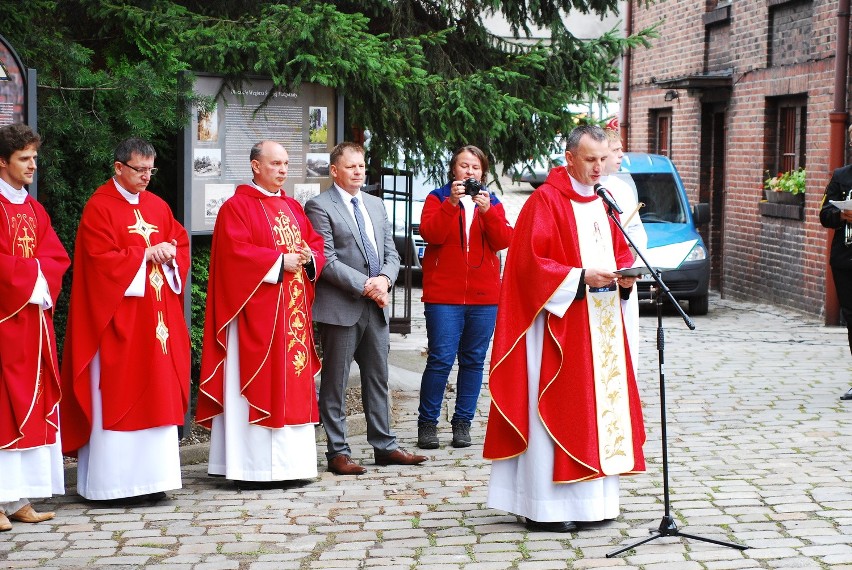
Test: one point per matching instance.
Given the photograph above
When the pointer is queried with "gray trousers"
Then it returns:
(368, 343)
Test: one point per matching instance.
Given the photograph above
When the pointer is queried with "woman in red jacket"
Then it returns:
(464, 227)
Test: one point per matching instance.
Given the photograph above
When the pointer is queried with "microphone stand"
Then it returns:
(667, 527)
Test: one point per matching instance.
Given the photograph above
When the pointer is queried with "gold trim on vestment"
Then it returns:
(12, 252)
(506, 355)
(162, 332)
(553, 438)
(142, 228)
(606, 332)
(28, 247)
(156, 279)
(224, 346)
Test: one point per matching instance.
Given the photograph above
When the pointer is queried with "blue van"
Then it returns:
(668, 220)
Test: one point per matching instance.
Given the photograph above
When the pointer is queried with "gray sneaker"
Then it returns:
(461, 434)
(427, 436)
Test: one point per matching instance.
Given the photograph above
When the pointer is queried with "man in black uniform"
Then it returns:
(840, 259)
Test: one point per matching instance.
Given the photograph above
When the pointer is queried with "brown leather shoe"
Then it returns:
(399, 456)
(28, 514)
(4, 522)
(343, 465)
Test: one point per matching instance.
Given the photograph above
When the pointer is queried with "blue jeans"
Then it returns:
(455, 330)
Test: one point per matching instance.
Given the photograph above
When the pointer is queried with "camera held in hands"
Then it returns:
(472, 186)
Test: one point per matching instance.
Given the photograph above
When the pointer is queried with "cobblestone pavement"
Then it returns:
(760, 453)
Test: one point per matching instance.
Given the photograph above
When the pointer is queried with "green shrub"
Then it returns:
(200, 267)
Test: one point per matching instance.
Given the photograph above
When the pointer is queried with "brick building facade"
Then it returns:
(730, 91)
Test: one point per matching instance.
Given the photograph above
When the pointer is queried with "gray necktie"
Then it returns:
(372, 258)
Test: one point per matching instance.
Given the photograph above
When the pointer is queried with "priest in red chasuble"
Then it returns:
(125, 368)
(565, 417)
(32, 262)
(258, 362)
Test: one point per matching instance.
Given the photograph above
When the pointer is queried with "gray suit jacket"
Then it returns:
(339, 299)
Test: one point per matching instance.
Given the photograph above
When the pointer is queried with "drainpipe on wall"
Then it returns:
(837, 142)
(625, 78)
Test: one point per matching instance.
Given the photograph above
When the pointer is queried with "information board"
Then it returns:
(13, 98)
(221, 134)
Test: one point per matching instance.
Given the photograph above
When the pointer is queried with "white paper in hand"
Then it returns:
(842, 204)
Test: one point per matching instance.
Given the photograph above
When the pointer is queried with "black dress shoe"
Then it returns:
(134, 501)
(156, 497)
(558, 526)
(254, 485)
(267, 485)
(847, 395)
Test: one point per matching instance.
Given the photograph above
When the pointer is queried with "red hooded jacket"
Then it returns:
(460, 269)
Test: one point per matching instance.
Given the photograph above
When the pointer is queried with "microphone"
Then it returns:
(607, 198)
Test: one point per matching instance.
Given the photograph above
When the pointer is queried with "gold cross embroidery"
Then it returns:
(156, 279)
(162, 332)
(26, 244)
(142, 227)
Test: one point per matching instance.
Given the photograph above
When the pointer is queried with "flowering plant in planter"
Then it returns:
(792, 182)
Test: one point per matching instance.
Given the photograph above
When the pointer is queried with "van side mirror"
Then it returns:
(701, 214)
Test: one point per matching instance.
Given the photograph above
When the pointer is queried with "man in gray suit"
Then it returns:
(351, 309)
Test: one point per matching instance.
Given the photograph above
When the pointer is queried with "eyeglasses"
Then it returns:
(148, 171)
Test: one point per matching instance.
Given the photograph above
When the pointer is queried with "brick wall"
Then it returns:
(777, 260)
(719, 56)
(790, 33)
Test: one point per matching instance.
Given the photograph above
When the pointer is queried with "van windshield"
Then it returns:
(660, 195)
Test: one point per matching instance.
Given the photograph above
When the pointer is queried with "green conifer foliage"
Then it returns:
(421, 75)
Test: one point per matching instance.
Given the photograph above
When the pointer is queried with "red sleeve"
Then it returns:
(28, 363)
(498, 231)
(438, 220)
(18, 275)
(17, 281)
(103, 270)
(237, 267)
(179, 234)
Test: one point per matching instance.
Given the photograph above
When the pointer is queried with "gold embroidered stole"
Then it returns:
(288, 238)
(615, 437)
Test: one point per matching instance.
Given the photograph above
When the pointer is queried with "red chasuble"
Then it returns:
(278, 359)
(545, 249)
(29, 379)
(143, 341)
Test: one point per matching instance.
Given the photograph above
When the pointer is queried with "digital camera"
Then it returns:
(472, 186)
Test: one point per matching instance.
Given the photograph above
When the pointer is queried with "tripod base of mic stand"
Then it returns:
(669, 528)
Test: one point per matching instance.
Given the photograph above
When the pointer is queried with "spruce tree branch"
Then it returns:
(61, 88)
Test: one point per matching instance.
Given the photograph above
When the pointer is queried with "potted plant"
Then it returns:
(786, 188)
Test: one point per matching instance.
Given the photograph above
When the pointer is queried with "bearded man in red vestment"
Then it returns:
(125, 369)
(257, 393)
(565, 418)
(32, 262)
